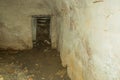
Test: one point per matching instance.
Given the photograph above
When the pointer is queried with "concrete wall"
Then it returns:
(89, 38)
(16, 22)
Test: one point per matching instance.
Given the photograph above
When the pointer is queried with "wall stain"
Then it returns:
(97, 1)
(88, 49)
(73, 25)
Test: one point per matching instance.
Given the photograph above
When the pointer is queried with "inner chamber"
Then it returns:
(42, 25)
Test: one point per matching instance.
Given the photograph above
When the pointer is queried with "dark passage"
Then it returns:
(42, 31)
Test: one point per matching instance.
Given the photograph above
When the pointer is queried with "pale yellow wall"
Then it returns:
(89, 38)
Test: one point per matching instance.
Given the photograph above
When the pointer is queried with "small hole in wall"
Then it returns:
(41, 31)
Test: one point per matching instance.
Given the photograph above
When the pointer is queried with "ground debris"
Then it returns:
(1, 77)
(35, 64)
(61, 73)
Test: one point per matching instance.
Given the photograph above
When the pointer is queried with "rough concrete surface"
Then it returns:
(86, 32)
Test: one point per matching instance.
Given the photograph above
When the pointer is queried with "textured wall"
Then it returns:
(89, 38)
(16, 22)
(86, 32)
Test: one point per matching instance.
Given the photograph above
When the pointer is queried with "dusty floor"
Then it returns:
(35, 64)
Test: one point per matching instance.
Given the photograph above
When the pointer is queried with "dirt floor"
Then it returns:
(36, 64)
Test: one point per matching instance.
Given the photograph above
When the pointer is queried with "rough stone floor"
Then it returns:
(35, 64)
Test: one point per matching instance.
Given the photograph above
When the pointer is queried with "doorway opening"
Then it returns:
(40, 63)
(41, 31)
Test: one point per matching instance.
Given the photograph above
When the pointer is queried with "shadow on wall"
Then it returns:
(10, 40)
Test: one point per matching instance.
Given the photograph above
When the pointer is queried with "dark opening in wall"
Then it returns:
(41, 31)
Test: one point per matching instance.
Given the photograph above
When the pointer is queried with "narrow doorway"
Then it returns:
(42, 32)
